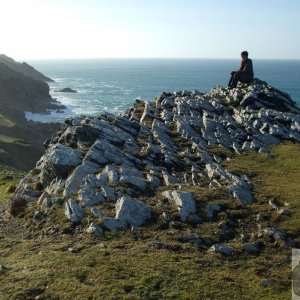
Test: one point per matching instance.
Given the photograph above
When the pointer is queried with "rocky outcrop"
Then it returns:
(23, 68)
(21, 141)
(19, 93)
(114, 171)
(66, 90)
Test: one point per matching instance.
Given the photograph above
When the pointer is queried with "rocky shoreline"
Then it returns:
(115, 171)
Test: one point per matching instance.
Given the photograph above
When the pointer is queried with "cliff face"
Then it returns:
(19, 93)
(23, 68)
(110, 172)
(20, 140)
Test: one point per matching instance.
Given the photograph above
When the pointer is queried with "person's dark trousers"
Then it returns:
(236, 77)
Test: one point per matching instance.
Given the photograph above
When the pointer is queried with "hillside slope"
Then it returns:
(23, 68)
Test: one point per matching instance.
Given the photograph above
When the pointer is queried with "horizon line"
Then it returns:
(152, 58)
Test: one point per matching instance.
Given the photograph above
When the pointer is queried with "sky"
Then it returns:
(51, 29)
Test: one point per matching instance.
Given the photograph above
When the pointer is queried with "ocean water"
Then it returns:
(113, 84)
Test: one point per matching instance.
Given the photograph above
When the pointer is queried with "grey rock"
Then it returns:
(222, 249)
(265, 282)
(111, 172)
(212, 209)
(38, 216)
(284, 212)
(185, 203)
(169, 179)
(90, 197)
(94, 229)
(73, 211)
(135, 181)
(276, 233)
(47, 203)
(61, 156)
(263, 217)
(113, 224)
(97, 212)
(109, 193)
(132, 212)
(251, 248)
(74, 180)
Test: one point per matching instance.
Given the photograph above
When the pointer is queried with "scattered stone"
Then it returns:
(94, 229)
(113, 224)
(222, 249)
(276, 233)
(73, 211)
(38, 216)
(262, 217)
(109, 193)
(185, 203)
(97, 212)
(3, 269)
(251, 248)
(266, 282)
(212, 209)
(284, 212)
(132, 212)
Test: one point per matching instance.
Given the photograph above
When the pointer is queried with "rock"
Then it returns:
(90, 197)
(222, 249)
(284, 212)
(109, 193)
(97, 212)
(113, 224)
(47, 203)
(112, 174)
(192, 238)
(63, 157)
(94, 229)
(212, 209)
(38, 216)
(3, 269)
(266, 282)
(132, 212)
(169, 179)
(251, 248)
(185, 203)
(276, 233)
(263, 217)
(136, 182)
(73, 211)
(66, 90)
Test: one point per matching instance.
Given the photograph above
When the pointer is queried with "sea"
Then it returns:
(113, 84)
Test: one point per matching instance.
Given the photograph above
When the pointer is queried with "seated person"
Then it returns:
(244, 74)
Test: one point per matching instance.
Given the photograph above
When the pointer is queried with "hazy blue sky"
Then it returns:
(149, 28)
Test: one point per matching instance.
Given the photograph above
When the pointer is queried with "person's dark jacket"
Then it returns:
(247, 67)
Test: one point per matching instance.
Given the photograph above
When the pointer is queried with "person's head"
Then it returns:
(244, 54)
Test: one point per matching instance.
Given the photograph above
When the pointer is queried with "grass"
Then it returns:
(11, 140)
(9, 177)
(6, 122)
(125, 265)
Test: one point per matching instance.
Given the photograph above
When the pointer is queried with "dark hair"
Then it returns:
(245, 53)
